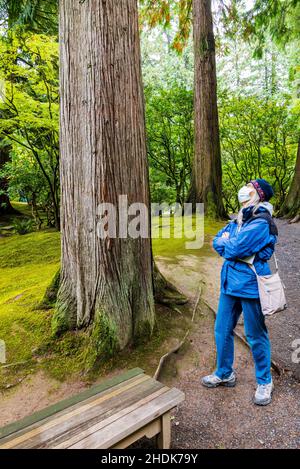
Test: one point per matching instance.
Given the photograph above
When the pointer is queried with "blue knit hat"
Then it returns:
(264, 189)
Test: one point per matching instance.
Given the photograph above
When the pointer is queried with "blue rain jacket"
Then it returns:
(237, 278)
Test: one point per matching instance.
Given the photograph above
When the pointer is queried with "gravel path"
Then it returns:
(285, 327)
(227, 418)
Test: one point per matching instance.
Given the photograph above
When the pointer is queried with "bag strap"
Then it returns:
(268, 217)
(276, 261)
(276, 265)
(253, 268)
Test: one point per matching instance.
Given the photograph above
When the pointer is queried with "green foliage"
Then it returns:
(259, 114)
(169, 120)
(277, 18)
(163, 12)
(242, 74)
(23, 226)
(280, 21)
(259, 139)
(29, 113)
(162, 66)
(31, 15)
(26, 181)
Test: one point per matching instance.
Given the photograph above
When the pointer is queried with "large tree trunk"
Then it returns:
(5, 205)
(106, 284)
(291, 206)
(207, 171)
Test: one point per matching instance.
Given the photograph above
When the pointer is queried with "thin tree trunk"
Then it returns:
(5, 205)
(106, 284)
(207, 170)
(291, 206)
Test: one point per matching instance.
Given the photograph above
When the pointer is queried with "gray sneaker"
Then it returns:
(263, 395)
(212, 381)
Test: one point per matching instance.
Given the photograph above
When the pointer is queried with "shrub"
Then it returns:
(23, 226)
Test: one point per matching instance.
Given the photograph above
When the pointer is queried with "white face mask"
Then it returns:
(244, 194)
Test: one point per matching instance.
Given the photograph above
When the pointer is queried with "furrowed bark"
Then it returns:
(106, 284)
(291, 206)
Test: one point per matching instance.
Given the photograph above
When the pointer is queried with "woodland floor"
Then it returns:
(220, 418)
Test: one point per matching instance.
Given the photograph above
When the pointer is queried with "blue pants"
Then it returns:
(230, 308)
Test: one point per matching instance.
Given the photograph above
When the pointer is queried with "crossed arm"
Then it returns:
(245, 243)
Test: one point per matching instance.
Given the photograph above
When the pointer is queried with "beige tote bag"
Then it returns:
(271, 292)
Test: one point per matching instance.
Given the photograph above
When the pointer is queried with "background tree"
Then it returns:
(5, 205)
(291, 205)
(207, 169)
(105, 284)
(206, 183)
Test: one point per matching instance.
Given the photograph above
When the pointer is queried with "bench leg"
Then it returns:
(164, 438)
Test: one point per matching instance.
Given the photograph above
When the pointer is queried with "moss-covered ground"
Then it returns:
(28, 263)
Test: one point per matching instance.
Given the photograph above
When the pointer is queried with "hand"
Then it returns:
(225, 235)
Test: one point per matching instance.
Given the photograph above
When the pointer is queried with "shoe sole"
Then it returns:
(226, 385)
(263, 403)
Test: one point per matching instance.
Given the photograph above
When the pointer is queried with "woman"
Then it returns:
(248, 239)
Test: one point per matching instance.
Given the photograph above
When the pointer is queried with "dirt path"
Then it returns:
(33, 394)
(227, 418)
(285, 327)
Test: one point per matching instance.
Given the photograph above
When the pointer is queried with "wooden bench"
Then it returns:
(112, 414)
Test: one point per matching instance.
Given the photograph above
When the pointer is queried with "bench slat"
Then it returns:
(93, 429)
(59, 406)
(60, 419)
(128, 424)
(98, 415)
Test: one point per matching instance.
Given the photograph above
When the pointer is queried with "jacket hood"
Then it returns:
(267, 206)
(246, 212)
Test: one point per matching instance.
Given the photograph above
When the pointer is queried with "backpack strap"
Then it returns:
(266, 216)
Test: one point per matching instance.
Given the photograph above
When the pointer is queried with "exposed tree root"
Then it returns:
(164, 292)
(182, 342)
(295, 219)
(164, 357)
